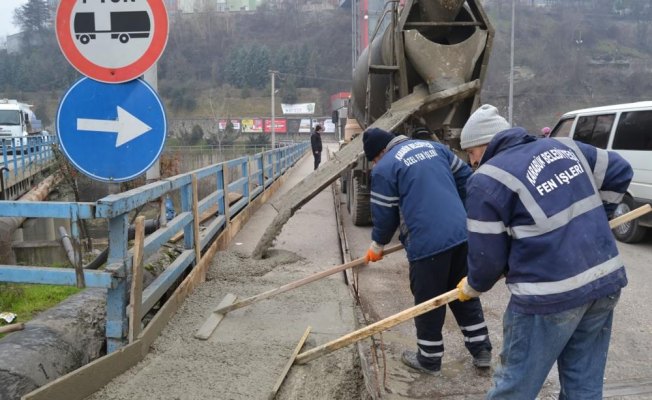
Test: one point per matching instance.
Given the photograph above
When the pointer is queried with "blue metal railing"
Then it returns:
(21, 158)
(248, 176)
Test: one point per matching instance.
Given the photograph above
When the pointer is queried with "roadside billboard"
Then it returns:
(302, 108)
(305, 126)
(280, 125)
(221, 124)
(252, 125)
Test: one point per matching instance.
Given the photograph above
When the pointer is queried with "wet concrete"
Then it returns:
(246, 353)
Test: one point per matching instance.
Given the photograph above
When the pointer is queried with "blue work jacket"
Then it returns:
(538, 213)
(419, 186)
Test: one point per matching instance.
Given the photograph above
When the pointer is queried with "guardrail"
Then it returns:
(21, 158)
(249, 176)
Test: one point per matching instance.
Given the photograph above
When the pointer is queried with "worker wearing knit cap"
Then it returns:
(374, 142)
(418, 187)
(478, 131)
(537, 214)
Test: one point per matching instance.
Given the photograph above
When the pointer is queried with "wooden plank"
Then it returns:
(195, 224)
(206, 215)
(287, 367)
(12, 327)
(300, 282)
(136, 295)
(206, 330)
(86, 380)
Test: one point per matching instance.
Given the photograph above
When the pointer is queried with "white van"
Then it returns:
(627, 130)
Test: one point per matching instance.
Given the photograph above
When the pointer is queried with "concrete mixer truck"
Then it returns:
(424, 69)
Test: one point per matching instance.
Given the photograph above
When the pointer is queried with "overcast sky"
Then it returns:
(7, 8)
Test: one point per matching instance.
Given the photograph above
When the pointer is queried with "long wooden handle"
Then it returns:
(376, 327)
(642, 210)
(419, 309)
(301, 282)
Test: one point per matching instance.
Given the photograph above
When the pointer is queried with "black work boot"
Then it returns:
(410, 359)
(482, 359)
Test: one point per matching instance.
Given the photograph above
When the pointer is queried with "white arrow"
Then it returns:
(126, 126)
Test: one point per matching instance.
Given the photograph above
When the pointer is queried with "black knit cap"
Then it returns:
(374, 140)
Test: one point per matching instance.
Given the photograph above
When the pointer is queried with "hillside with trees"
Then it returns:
(568, 54)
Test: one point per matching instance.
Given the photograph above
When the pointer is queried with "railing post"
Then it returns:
(186, 206)
(76, 243)
(261, 168)
(225, 197)
(246, 192)
(118, 264)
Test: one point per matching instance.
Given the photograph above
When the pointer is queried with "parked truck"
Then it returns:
(17, 122)
(424, 70)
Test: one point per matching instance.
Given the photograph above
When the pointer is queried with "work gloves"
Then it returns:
(375, 252)
(466, 292)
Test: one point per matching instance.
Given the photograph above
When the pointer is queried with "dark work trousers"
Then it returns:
(317, 156)
(431, 277)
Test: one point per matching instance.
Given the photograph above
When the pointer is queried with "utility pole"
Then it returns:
(273, 111)
(510, 108)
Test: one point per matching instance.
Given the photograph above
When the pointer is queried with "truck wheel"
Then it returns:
(124, 38)
(632, 231)
(84, 39)
(360, 208)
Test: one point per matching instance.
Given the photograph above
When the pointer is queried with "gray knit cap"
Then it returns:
(482, 126)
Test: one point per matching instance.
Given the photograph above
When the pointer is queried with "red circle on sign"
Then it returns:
(111, 74)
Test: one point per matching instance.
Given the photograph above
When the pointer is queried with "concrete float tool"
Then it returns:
(421, 308)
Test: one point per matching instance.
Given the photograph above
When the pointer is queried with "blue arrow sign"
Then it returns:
(111, 132)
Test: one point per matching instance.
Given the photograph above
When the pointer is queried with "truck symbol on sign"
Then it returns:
(125, 25)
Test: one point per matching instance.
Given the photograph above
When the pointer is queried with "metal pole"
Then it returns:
(511, 68)
(273, 113)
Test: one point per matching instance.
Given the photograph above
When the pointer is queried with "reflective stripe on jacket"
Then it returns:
(419, 185)
(537, 213)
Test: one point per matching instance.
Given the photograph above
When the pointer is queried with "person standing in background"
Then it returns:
(315, 142)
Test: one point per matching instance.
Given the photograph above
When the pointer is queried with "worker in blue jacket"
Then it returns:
(419, 186)
(538, 212)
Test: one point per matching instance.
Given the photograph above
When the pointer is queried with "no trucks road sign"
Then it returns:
(111, 133)
(112, 41)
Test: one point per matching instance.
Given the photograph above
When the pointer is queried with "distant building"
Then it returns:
(14, 43)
